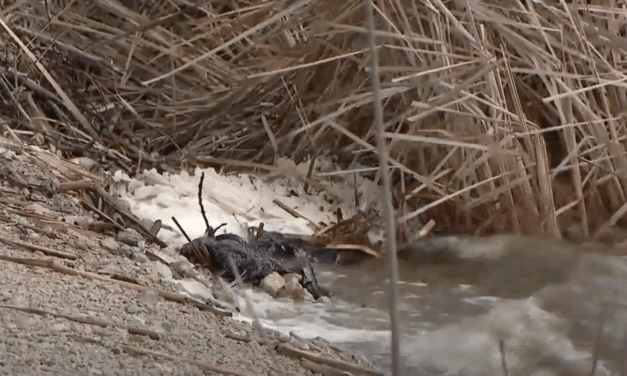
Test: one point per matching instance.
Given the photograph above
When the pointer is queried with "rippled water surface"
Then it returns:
(542, 299)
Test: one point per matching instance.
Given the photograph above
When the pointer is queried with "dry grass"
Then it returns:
(485, 101)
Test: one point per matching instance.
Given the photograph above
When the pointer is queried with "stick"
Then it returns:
(202, 208)
(202, 365)
(386, 201)
(51, 264)
(77, 185)
(292, 352)
(88, 320)
(323, 369)
(33, 247)
(101, 193)
(295, 213)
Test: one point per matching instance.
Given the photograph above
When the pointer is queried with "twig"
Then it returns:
(363, 248)
(77, 185)
(202, 365)
(33, 247)
(314, 155)
(273, 142)
(101, 193)
(88, 320)
(323, 369)
(199, 255)
(52, 264)
(356, 369)
(202, 208)
(388, 205)
(295, 214)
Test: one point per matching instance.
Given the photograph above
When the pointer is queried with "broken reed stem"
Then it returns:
(199, 255)
(388, 205)
(202, 208)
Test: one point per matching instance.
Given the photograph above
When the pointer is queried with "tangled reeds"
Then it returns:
(501, 115)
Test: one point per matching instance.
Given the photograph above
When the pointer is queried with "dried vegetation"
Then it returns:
(501, 115)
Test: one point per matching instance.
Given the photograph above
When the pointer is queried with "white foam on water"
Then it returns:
(532, 337)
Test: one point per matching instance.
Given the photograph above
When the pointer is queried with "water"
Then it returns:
(460, 298)
(542, 299)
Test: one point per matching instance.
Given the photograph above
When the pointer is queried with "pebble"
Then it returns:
(272, 284)
(194, 289)
(111, 245)
(130, 237)
(161, 270)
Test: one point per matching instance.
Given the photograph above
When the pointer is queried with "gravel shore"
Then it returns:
(73, 304)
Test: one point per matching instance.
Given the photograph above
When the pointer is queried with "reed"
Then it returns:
(499, 115)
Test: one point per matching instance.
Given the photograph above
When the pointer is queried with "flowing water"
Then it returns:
(552, 305)
(544, 300)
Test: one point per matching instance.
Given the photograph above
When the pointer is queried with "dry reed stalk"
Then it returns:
(472, 89)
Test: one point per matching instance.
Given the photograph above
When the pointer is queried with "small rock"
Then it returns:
(182, 269)
(110, 245)
(127, 251)
(139, 257)
(194, 289)
(161, 270)
(131, 237)
(222, 291)
(84, 162)
(132, 307)
(272, 284)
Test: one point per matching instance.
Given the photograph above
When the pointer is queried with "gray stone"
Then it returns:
(131, 237)
(194, 289)
(111, 245)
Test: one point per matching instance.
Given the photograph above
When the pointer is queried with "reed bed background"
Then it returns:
(500, 115)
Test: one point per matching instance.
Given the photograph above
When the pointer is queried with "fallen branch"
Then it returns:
(88, 320)
(323, 369)
(52, 264)
(77, 185)
(33, 247)
(202, 365)
(355, 369)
